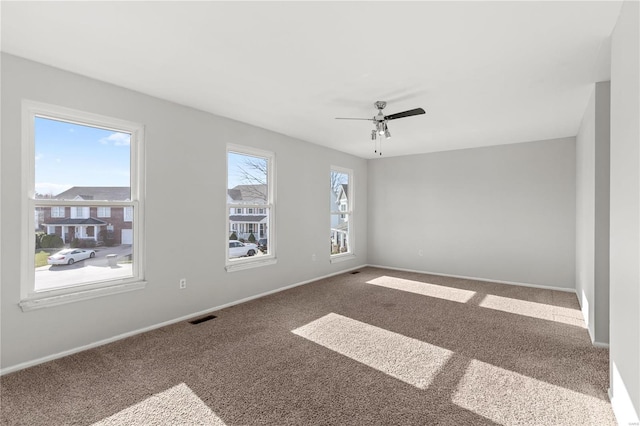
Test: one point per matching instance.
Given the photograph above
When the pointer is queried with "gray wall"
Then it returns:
(504, 213)
(185, 189)
(625, 215)
(592, 213)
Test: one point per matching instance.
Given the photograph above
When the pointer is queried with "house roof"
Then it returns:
(71, 222)
(246, 218)
(344, 188)
(248, 193)
(103, 193)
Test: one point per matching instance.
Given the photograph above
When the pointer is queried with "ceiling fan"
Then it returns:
(380, 120)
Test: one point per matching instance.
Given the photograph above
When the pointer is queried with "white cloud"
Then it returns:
(39, 156)
(117, 139)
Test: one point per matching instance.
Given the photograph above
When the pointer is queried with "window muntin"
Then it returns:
(92, 163)
(250, 189)
(341, 199)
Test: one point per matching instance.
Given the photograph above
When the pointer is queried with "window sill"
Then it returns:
(232, 267)
(337, 258)
(45, 301)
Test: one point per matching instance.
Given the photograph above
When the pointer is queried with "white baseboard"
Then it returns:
(62, 354)
(568, 290)
(621, 401)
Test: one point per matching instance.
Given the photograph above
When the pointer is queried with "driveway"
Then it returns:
(83, 271)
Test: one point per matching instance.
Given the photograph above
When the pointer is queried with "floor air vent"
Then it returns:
(203, 319)
(355, 272)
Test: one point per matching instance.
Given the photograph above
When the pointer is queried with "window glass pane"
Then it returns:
(339, 235)
(247, 179)
(72, 252)
(74, 161)
(340, 208)
(248, 186)
(81, 244)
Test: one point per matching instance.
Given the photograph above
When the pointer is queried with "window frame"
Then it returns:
(270, 258)
(337, 211)
(31, 299)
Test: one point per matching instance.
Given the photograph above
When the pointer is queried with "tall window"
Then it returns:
(250, 186)
(93, 164)
(341, 199)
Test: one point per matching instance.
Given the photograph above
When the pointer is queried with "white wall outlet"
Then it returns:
(313, 257)
(420, 252)
(183, 283)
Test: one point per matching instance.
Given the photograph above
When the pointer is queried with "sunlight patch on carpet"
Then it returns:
(404, 358)
(506, 397)
(425, 289)
(533, 310)
(499, 303)
(178, 405)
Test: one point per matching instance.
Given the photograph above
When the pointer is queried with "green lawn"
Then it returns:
(41, 258)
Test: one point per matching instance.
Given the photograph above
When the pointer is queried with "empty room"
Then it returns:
(320, 213)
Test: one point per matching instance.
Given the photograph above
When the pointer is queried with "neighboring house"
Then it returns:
(96, 223)
(340, 223)
(244, 221)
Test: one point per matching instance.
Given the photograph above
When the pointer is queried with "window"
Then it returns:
(341, 198)
(104, 212)
(79, 212)
(250, 186)
(57, 211)
(93, 164)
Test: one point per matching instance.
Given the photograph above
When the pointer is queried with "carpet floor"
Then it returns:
(378, 347)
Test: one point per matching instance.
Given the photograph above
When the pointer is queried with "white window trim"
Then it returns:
(31, 299)
(351, 241)
(232, 265)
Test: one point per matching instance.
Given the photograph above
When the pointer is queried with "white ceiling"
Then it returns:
(487, 73)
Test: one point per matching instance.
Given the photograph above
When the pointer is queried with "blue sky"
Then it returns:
(69, 155)
(235, 162)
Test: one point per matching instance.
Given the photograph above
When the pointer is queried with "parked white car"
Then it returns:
(70, 256)
(238, 249)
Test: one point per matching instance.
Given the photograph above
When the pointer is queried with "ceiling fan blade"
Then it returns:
(343, 118)
(409, 113)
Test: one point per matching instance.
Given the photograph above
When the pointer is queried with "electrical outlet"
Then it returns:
(183, 283)
(420, 252)
(313, 257)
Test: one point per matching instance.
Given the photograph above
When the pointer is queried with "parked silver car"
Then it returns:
(239, 249)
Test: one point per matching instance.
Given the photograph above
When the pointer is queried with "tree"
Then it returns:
(337, 180)
(252, 173)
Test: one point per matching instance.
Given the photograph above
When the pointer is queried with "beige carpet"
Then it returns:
(379, 347)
